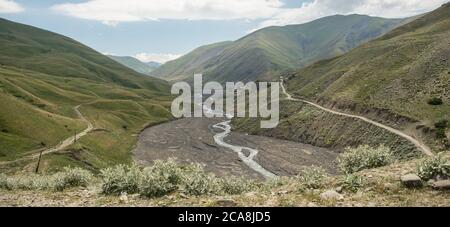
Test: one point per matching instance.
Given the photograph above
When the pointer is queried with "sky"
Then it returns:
(162, 30)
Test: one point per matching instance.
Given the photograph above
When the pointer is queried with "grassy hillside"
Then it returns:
(390, 80)
(135, 64)
(274, 49)
(393, 77)
(43, 76)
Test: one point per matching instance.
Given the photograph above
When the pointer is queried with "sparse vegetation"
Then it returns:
(313, 177)
(195, 181)
(165, 177)
(161, 179)
(441, 127)
(120, 179)
(364, 157)
(434, 167)
(71, 177)
(352, 182)
(235, 185)
(435, 101)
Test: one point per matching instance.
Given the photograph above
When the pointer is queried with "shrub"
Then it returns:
(31, 182)
(434, 167)
(441, 124)
(364, 157)
(3, 181)
(235, 186)
(440, 133)
(352, 183)
(69, 178)
(121, 178)
(161, 179)
(313, 177)
(195, 181)
(435, 101)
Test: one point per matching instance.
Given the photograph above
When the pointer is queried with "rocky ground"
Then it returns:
(381, 187)
(191, 140)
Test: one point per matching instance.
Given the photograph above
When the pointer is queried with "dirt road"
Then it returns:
(63, 144)
(424, 148)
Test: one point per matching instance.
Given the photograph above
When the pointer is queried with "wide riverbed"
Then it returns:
(193, 140)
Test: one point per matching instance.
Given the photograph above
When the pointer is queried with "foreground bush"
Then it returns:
(161, 179)
(196, 181)
(3, 181)
(119, 179)
(434, 167)
(313, 177)
(70, 178)
(236, 186)
(352, 183)
(365, 157)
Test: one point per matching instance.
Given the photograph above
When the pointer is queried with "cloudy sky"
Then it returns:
(161, 30)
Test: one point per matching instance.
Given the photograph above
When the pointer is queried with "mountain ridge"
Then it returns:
(263, 53)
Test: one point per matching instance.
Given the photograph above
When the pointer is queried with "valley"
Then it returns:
(364, 116)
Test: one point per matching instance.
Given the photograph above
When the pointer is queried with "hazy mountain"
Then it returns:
(135, 64)
(262, 53)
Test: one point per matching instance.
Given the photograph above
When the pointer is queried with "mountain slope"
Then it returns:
(135, 64)
(389, 80)
(42, 51)
(400, 71)
(274, 49)
(44, 76)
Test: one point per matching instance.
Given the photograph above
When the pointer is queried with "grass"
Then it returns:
(43, 76)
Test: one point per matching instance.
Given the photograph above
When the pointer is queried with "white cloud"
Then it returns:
(321, 8)
(9, 6)
(112, 12)
(160, 58)
(271, 12)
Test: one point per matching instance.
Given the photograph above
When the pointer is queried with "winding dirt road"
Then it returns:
(63, 144)
(424, 148)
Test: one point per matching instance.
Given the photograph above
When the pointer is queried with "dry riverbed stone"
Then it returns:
(411, 181)
(441, 185)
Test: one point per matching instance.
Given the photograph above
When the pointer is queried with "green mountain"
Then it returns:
(263, 53)
(391, 80)
(135, 64)
(399, 72)
(43, 76)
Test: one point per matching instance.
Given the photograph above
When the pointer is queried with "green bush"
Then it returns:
(235, 185)
(31, 182)
(3, 181)
(434, 167)
(435, 101)
(364, 157)
(313, 177)
(161, 179)
(70, 178)
(119, 179)
(195, 181)
(441, 124)
(352, 183)
(440, 133)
